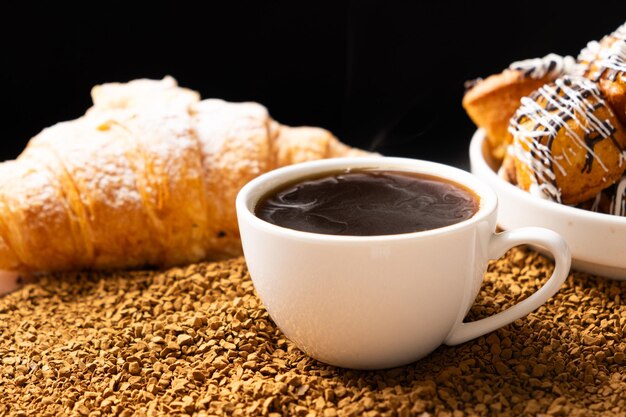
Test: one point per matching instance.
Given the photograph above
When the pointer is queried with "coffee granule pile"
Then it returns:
(197, 341)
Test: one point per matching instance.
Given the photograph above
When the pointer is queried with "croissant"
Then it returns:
(147, 177)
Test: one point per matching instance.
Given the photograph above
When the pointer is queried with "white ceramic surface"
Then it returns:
(371, 302)
(597, 241)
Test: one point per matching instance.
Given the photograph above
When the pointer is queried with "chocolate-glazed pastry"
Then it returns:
(604, 62)
(491, 102)
(568, 144)
(565, 140)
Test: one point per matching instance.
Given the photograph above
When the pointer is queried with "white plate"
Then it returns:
(597, 241)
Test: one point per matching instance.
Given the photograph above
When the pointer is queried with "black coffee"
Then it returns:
(368, 203)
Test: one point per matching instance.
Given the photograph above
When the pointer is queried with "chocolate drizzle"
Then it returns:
(541, 116)
(551, 65)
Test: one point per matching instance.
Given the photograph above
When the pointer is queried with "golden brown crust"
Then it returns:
(492, 102)
(236, 146)
(615, 93)
(142, 181)
(604, 62)
(300, 144)
(568, 144)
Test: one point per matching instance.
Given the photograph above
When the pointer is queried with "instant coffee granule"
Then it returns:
(197, 341)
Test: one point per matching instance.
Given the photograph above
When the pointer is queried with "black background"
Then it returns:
(386, 76)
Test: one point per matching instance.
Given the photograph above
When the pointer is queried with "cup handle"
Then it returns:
(498, 245)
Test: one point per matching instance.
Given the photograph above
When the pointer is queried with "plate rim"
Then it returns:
(476, 155)
(592, 262)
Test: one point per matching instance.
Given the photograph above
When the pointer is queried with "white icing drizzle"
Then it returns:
(620, 32)
(608, 56)
(595, 206)
(549, 109)
(611, 62)
(588, 54)
(618, 201)
(551, 65)
(615, 196)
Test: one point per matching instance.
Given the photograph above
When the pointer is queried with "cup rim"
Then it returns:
(249, 195)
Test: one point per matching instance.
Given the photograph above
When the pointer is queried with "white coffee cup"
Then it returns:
(372, 302)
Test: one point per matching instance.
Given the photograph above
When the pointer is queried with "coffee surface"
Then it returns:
(368, 203)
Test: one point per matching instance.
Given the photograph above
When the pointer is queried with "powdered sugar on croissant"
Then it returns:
(147, 177)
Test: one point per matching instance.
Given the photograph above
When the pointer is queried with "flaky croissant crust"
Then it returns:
(147, 177)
